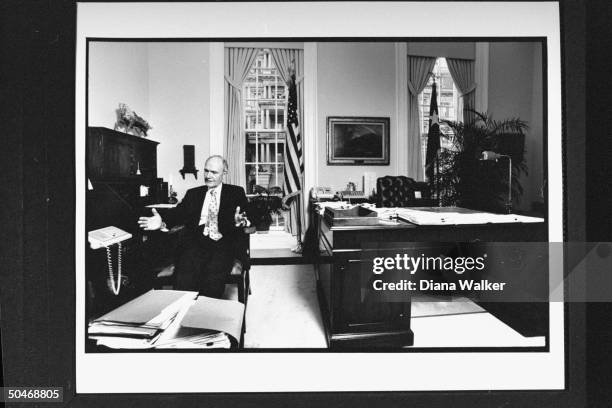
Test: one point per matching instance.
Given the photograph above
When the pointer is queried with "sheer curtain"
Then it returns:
(419, 70)
(283, 59)
(238, 62)
(462, 71)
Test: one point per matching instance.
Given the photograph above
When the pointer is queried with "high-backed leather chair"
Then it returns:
(399, 191)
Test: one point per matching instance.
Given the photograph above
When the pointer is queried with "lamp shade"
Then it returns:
(489, 155)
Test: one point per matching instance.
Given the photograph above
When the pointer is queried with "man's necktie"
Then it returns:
(213, 218)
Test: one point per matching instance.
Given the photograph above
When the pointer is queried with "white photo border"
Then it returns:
(304, 371)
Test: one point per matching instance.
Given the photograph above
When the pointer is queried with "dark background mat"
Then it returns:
(37, 189)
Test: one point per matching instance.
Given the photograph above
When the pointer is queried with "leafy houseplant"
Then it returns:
(261, 208)
(465, 180)
(130, 121)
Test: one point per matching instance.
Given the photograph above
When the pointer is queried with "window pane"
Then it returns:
(251, 148)
(264, 112)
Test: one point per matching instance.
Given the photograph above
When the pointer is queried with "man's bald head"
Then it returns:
(215, 168)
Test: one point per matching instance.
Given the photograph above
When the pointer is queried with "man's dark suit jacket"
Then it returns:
(188, 212)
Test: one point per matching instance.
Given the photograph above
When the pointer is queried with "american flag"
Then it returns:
(294, 160)
(433, 137)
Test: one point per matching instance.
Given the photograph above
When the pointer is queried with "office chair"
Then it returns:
(399, 191)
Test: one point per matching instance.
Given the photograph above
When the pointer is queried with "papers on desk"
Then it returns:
(386, 213)
(139, 322)
(151, 310)
(215, 314)
(170, 319)
(208, 323)
(424, 217)
(321, 206)
(126, 342)
(203, 339)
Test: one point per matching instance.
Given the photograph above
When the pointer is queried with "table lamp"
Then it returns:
(489, 155)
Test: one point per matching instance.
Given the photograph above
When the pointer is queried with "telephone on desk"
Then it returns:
(107, 237)
(352, 195)
(321, 193)
(326, 193)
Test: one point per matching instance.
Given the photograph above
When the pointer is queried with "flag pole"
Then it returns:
(298, 213)
(300, 179)
(438, 179)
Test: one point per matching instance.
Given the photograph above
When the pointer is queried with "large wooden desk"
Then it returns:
(353, 322)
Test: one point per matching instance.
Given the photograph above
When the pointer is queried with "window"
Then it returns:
(448, 102)
(265, 101)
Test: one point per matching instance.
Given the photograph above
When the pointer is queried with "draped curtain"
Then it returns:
(419, 70)
(462, 71)
(284, 59)
(238, 62)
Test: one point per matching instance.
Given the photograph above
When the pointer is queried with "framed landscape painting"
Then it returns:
(357, 140)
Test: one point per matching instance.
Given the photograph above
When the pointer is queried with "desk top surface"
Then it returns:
(434, 217)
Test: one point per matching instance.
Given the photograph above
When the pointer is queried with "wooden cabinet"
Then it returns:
(113, 163)
(117, 155)
(118, 165)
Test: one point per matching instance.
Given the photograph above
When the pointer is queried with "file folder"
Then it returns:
(215, 314)
(169, 319)
(146, 307)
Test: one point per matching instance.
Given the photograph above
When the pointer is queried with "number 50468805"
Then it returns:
(32, 394)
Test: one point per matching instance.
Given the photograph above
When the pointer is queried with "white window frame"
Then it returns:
(279, 105)
(310, 143)
(278, 222)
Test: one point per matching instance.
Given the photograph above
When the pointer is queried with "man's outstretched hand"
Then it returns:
(240, 218)
(150, 223)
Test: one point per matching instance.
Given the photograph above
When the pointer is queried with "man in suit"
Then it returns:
(213, 221)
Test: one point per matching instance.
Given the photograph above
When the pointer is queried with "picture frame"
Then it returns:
(379, 386)
(358, 141)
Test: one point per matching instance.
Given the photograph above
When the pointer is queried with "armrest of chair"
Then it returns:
(242, 264)
(176, 229)
(242, 248)
(237, 268)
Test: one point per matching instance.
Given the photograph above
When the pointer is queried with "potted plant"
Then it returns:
(263, 176)
(261, 208)
(463, 179)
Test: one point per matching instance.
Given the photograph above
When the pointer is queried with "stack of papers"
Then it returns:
(170, 319)
(140, 322)
(202, 339)
(209, 323)
(424, 217)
